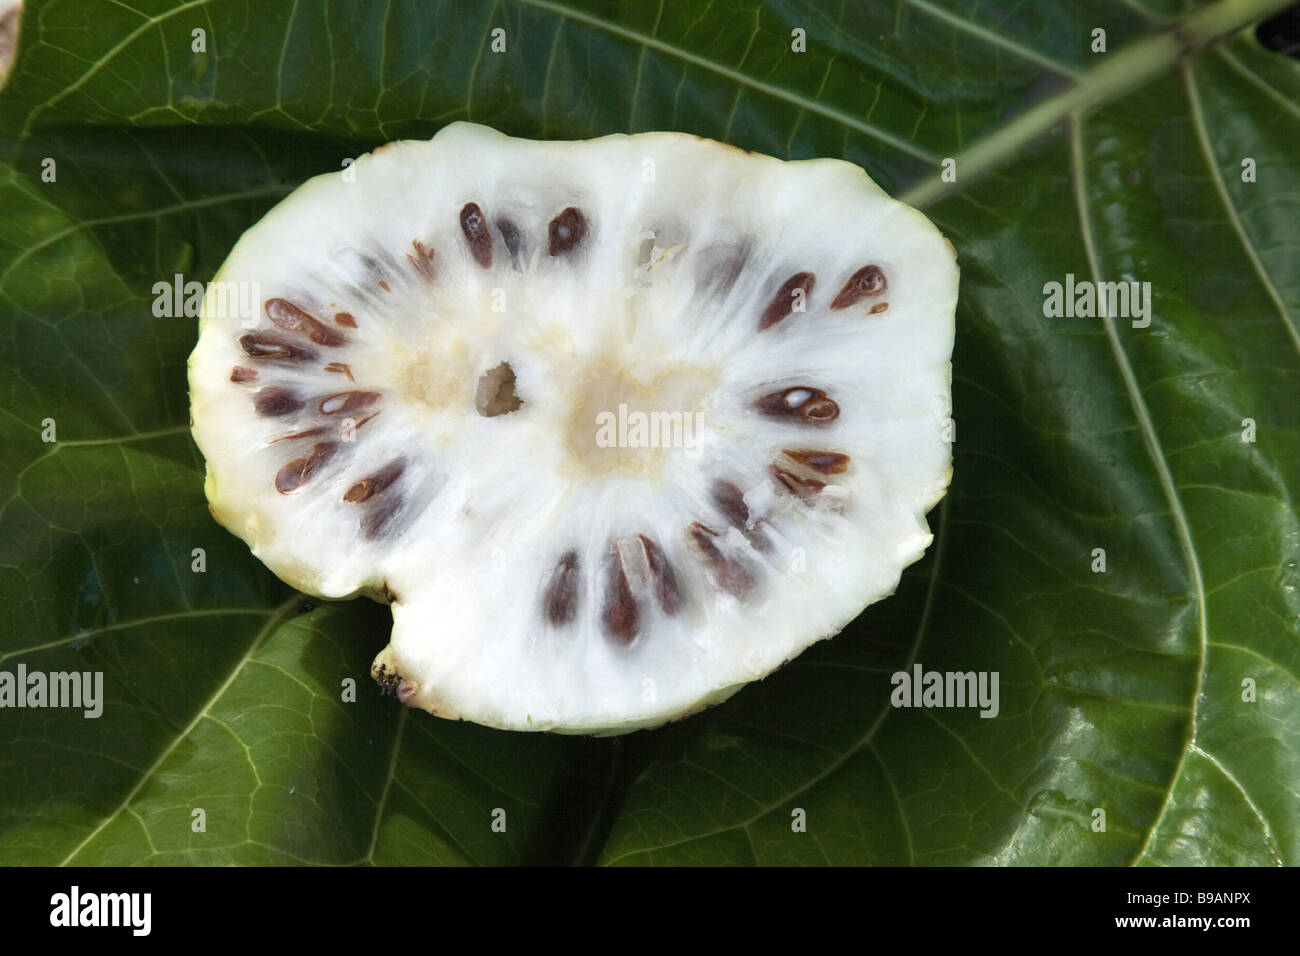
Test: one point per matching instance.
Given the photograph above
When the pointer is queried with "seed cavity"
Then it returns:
(345, 318)
(560, 602)
(510, 236)
(807, 406)
(375, 484)
(295, 474)
(566, 231)
(726, 573)
(804, 488)
(361, 271)
(794, 291)
(293, 319)
(644, 251)
(422, 260)
(241, 374)
(720, 266)
(475, 228)
(269, 346)
(822, 462)
(495, 393)
(867, 281)
(376, 520)
(619, 615)
(275, 402)
(347, 402)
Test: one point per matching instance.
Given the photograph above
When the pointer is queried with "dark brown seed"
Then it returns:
(274, 402)
(241, 374)
(422, 260)
(367, 488)
(878, 308)
(666, 590)
(796, 288)
(320, 430)
(566, 231)
(621, 618)
(808, 406)
(475, 228)
(364, 420)
(731, 502)
(293, 319)
(345, 318)
(287, 315)
(289, 478)
(322, 334)
(270, 346)
(822, 462)
(510, 235)
(560, 603)
(819, 410)
(867, 281)
(347, 402)
(340, 367)
(295, 474)
(377, 518)
(804, 488)
(728, 574)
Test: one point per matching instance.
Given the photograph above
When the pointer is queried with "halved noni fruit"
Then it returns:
(616, 426)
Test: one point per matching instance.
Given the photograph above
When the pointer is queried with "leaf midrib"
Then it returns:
(274, 617)
(1155, 452)
(1116, 75)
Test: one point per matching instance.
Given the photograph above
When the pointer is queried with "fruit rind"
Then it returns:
(823, 218)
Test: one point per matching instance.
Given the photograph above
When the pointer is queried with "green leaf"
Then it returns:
(1164, 691)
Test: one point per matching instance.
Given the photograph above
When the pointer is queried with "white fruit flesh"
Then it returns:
(544, 579)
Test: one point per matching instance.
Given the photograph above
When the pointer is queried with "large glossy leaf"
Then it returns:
(1164, 690)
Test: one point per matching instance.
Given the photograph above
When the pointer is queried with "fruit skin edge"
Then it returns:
(305, 582)
(384, 657)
